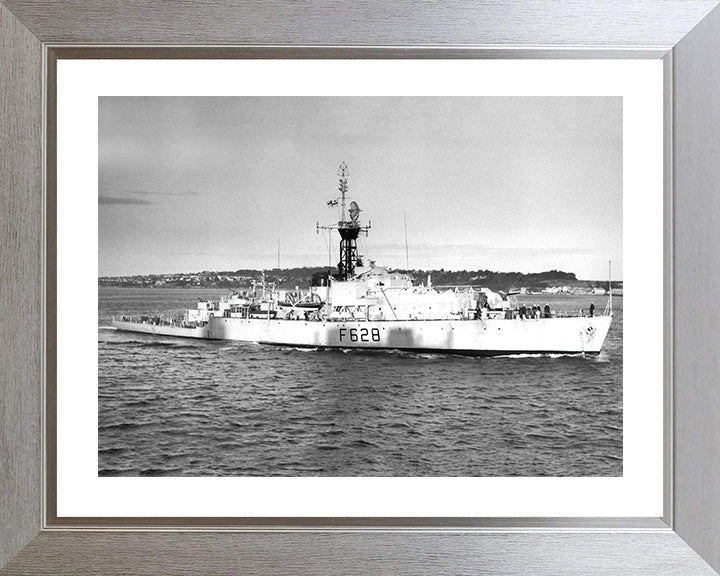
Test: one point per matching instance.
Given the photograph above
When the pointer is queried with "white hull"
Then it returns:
(476, 337)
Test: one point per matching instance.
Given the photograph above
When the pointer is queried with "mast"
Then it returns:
(349, 228)
(343, 172)
(610, 283)
(329, 246)
(407, 258)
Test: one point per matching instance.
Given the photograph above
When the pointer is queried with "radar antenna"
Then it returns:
(349, 229)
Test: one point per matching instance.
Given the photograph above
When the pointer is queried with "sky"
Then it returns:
(522, 184)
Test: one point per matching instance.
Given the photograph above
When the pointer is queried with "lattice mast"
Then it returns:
(348, 226)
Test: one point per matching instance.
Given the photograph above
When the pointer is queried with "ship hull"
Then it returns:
(470, 337)
(161, 329)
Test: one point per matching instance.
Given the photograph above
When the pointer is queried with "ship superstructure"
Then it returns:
(367, 306)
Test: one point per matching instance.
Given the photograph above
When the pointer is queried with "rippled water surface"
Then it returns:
(181, 407)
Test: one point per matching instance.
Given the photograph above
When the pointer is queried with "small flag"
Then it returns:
(332, 203)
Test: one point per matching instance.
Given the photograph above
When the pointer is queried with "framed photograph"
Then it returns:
(410, 308)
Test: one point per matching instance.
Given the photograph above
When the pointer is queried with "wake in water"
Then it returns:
(547, 355)
(179, 344)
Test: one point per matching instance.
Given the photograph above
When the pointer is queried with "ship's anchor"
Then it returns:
(588, 334)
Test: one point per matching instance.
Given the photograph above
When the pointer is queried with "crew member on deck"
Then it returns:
(547, 310)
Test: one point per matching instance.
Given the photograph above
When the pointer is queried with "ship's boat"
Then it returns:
(368, 306)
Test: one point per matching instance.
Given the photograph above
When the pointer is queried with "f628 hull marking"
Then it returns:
(359, 334)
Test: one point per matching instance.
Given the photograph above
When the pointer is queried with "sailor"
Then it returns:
(592, 309)
(547, 310)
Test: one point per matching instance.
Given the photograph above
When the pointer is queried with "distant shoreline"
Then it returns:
(616, 294)
(548, 282)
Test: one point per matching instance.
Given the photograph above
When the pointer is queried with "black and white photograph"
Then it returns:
(366, 286)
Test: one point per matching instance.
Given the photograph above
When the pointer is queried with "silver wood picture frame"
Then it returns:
(685, 35)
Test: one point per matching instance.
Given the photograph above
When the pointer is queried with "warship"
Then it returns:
(367, 306)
